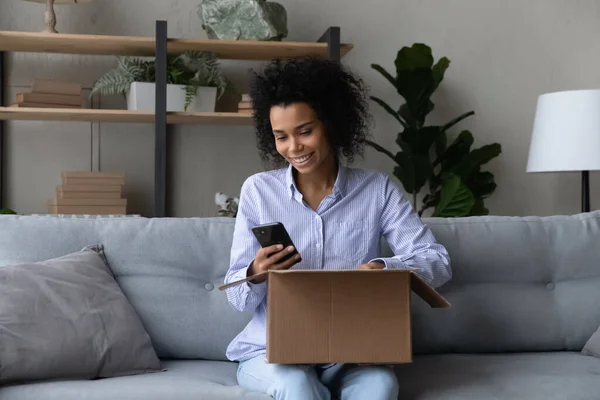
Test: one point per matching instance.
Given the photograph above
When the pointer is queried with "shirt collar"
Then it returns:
(339, 187)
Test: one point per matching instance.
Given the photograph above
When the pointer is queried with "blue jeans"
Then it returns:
(302, 382)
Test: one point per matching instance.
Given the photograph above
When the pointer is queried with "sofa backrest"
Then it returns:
(519, 283)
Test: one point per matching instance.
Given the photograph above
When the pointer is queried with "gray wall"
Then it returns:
(504, 54)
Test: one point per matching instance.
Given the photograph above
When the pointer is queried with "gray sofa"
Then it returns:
(525, 299)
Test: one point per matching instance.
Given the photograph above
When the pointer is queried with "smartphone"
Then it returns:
(274, 233)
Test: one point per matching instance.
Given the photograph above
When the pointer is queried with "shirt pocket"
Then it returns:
(349, 241)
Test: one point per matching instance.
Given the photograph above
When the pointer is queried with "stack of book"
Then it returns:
(245, 106)
(85, 192)
(48, 93)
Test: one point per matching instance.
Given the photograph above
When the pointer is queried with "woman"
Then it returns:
(311, 113)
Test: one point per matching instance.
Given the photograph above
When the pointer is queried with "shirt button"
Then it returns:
(318, 245)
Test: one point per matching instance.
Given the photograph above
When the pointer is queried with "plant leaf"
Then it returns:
(414, 57)
(389, 109)
(479, 208)
(456, 199)
(469, 165)
(380, 149)
(457, 120)
(385, 74)
(482, 184)
(420, 141)
(440, 68)
(113, 82)
(412, 171)
(458, 149)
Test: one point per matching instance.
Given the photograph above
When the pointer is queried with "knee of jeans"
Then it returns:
(384, 379)
(296, 381)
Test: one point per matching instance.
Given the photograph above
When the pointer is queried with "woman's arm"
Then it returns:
(412, 242)
(246, 296)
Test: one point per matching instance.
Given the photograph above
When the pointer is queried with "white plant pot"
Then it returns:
(141, 95)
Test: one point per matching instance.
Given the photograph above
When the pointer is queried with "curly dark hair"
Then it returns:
(336, 95)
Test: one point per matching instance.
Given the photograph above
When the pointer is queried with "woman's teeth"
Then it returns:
(303, 159)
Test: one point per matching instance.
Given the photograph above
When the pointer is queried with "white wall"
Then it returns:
(504, 54)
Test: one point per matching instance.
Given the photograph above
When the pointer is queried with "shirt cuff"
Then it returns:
(390, 263)
(253, 287)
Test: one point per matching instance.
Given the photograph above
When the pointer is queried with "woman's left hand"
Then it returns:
(372, 265)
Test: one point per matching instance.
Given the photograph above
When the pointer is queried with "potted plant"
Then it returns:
(451, 170)
(194, 82)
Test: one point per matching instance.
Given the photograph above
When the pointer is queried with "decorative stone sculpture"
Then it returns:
(243, 19)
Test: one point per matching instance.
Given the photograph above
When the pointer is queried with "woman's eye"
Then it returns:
(306, 132)
(280, 138)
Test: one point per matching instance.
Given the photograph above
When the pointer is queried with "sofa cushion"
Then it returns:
(524, 376)
(67, 318)
(169, 269)
(592, 346)
(183, 380)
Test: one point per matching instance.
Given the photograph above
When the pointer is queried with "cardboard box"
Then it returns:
(333, 316)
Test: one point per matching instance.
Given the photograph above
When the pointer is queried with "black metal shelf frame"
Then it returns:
(161, 128)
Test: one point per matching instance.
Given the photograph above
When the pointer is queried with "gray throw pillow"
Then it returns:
(67, 318)
(592, 346)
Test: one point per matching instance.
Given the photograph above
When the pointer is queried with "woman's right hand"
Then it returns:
(268, 258)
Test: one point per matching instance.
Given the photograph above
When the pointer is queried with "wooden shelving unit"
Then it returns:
(145, 46)
(159, 46)
(122, 116)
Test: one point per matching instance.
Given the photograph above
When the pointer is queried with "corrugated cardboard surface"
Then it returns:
(339, 316)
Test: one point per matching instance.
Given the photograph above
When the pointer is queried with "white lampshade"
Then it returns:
(566, 132)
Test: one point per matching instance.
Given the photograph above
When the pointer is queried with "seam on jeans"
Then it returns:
(242, 371)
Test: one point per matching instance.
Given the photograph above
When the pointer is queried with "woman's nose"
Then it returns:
(295, 145)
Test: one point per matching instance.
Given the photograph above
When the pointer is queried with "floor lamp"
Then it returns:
(566, 136)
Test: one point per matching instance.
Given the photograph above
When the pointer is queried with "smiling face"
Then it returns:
(300, 137)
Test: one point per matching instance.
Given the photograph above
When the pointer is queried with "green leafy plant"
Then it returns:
(192, 69)
(453, 173)
(6, 211)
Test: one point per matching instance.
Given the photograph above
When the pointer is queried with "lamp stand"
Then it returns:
(50, 18)
(585, 191)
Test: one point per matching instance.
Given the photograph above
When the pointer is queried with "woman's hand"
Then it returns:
(268, 257)
(372, 265)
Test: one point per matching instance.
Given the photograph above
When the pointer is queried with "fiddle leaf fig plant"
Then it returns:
(451, 172)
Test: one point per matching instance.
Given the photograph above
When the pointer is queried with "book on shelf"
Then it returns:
(49, 93)
(52, 86)
(89, 192)
(93, 174)
(100, 210)
(48, 98)
(38, 105)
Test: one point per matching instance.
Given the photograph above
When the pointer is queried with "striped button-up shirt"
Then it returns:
(344, 232)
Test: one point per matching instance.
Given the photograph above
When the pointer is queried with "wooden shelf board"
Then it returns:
(123, 116)
(66, 43)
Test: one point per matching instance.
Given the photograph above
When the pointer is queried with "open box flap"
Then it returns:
(249, 278)
(422, 289)
(427, 293)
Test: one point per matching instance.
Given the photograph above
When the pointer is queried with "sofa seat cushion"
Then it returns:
(183, 380)
(520, 376)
